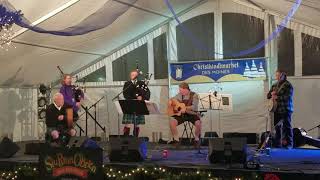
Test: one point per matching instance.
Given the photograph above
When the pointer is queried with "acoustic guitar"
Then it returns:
(272, 103)
(177, 108)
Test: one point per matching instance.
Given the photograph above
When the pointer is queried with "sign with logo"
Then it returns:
(218, 71)
(70, 163)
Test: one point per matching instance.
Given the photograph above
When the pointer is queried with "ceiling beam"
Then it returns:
(143, 9)
(57, 48)
(46, 17)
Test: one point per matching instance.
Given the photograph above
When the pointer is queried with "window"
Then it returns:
(310, 55)
(97, 76)
(286, 51)
(160, 57)
(122, 66)
(202, 29)
(241, 32)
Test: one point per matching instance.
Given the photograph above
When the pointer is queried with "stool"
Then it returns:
(185, 134)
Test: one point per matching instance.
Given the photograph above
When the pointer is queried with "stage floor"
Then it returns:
(294, 161)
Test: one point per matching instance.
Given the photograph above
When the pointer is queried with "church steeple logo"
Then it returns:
(179, 72)
(253, 71)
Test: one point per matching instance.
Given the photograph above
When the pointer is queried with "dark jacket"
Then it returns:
(131, 91)
(285, 96)
(52, 114)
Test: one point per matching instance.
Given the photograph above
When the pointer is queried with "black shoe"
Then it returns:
(174, 142)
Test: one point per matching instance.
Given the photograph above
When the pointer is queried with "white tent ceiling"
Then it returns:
(28, 65)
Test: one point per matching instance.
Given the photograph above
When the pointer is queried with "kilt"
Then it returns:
(129, 119)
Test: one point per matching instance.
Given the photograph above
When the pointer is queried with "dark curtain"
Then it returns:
(202, 28)
(241, 32)
(286, 51)
(160, 57)
(310, 55)
(122, 66)
(97, 76)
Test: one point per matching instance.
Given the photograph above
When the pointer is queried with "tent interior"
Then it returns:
(149, 34)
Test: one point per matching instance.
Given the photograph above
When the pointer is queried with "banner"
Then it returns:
(218, 71)
(70, 163)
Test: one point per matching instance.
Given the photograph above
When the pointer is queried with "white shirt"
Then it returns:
(59, 108)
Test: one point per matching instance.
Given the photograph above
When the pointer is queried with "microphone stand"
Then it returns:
(318, 126)
(124, 90)
(117, 97)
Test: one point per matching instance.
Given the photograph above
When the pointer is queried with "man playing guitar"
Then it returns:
(190, 100)
(281, 93)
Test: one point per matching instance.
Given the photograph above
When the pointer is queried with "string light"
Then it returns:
(123, 173)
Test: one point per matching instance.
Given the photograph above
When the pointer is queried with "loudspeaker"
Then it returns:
(77, 141)
(33, 148)
(252, 138)
(8, 148)
(127, 149)
(207, 136)
(227, 150)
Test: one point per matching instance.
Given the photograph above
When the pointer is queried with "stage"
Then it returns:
(297, 163)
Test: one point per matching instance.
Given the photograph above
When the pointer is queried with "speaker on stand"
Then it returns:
(227, 150)
(127, 149)
(8, 148)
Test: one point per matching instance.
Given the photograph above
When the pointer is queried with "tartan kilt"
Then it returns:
(129, 119)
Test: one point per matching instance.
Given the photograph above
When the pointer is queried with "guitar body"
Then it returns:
(176, 108)
(272, 105)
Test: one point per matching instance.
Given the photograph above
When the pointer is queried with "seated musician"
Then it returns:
(132, 90)
(191, 100)
(68, 92)
(56, 119)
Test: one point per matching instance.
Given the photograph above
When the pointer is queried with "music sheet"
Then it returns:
(152, 107)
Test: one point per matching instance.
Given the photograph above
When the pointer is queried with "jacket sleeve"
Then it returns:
(270, 91)
(127, 91)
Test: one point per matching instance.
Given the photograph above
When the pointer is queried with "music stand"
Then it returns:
(211, 102)
(134, 107)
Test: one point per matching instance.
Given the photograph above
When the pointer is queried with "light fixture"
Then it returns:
(42, 101)
(6, 34)
(7, 19)
(44, 89)
(42, 114)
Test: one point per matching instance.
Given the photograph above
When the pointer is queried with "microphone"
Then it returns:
(215, 93)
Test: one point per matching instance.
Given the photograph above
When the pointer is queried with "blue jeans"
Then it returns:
(284, 134)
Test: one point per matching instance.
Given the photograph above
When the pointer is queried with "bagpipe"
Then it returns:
(77, 90)
(142, 86)
(77, 93)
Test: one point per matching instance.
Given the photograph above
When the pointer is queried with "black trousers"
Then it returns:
(284, 134)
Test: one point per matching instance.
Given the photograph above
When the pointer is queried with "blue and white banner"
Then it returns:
(218, 70)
